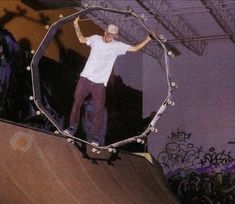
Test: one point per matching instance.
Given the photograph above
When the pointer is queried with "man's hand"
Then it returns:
(75, 22)
(140, 45)
(76, 25)
(79, 34)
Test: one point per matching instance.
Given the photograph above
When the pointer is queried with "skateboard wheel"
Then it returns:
(98, 152)
(70, 140)
(112, 150)
(56, 132)
(28, 68)
(93, 149)
(170, 53)
(143, 17)
(152, 129)
(61, 16)
(31, 98)
(38, 112)
(138, 140)
(173, 84)
(32, 52)
(169, 102)
(47, 27)
(162, 38)
(85, 5)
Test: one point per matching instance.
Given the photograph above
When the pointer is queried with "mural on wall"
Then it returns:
(198, 175)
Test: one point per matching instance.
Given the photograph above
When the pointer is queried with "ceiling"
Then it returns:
(191, 23)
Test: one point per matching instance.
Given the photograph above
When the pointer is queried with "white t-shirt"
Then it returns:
(101, 59)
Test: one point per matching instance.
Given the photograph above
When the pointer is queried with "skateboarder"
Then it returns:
(95, 75)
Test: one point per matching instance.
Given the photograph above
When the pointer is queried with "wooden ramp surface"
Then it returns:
(36, 167)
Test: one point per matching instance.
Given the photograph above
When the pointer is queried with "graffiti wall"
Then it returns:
(198, 175)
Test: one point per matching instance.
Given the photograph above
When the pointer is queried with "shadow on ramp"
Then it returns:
(37, 167)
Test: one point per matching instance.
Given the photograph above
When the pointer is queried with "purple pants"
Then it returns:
(83, 89)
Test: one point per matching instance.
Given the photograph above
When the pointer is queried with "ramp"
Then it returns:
(36, 167)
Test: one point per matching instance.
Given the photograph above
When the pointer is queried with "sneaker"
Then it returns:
(70, 131)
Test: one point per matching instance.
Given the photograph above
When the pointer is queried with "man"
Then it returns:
(95, 75)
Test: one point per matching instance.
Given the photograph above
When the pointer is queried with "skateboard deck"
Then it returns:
(36, 81)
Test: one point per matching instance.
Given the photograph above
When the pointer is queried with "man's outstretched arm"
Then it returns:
(79, 34)
(135, 48)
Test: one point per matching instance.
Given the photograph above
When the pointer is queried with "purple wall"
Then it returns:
(204, 98)
(130, 68)
(194, 134)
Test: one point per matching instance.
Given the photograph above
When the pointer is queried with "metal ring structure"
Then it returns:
(45, 43)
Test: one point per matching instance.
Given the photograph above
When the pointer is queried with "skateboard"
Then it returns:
(36, 81)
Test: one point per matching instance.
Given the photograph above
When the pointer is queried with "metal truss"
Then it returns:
(163, 12)
(129, 28)
(223, 17)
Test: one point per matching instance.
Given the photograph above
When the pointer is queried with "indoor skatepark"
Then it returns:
(191, 146)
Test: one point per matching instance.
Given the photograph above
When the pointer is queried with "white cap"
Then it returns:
(113, 29)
